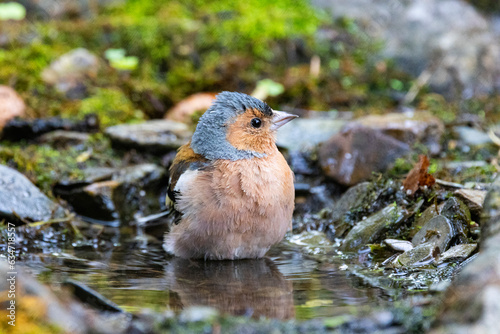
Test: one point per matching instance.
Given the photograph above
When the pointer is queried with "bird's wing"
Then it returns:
(184, 167)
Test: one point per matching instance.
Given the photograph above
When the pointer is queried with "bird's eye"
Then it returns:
(256, 122)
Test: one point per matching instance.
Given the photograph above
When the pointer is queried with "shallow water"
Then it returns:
(136, 274)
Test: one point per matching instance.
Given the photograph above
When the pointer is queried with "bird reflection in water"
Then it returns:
(246, 287)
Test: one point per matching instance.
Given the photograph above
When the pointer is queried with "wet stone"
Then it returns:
(458, 253)
(312, 242)
(399, 245)
(422, 255)
(458, 213)
(439, 231)
(354, 154)
(352, 198)
(21, 200)
(156, 136)
(429, 213)
(372, 228)
(116, 194)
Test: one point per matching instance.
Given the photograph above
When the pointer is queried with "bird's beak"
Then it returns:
(280, 118)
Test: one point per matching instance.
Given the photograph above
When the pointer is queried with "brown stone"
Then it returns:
(409, 127)
(354, 154)
(183, 110)
(11, 105)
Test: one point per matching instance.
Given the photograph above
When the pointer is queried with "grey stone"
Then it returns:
(458, 253)
(153, 136)
(399, 245)
(312, 242)
(21, 200)
(449, 39)
(69, 71)
(304, 134)
(422, 255)
(116, 194)
(372, 228)
(459, 215)
(354, 154)
(490, 217)
(471, 304)
(471, 136)
(438, 231)
(427, 215)
(61, 138)
(352, 198)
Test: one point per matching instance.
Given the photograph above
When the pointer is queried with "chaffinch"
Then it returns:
(230, 185)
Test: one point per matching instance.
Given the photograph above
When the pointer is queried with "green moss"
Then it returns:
(111, 105)
(184, 47)
(45, 165)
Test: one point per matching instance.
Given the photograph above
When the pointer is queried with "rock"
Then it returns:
(426, 216)
(458, 253)
(157, 136)
(471, 136)
(11, 105)
(352, 198)
(20, 129)
(38, 308)
(198, 313)
(353, 155)
(372, 228)
(116, 194)
(474, 199)
(422, 255)
(55, 9)
(184, 110)
(307, 133)
(62, 139)
(449, 39)
(312, 242)
(409, 127)
(22, 201)
(399, 245)
(439, 231)
(490, 217)
(69, 72)
(458, 213)
(471, 303)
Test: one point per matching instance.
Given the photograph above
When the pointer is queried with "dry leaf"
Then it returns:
(418, 176)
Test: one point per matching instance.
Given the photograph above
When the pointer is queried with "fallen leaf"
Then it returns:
(418, 176)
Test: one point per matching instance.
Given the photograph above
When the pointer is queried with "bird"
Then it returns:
(230, 186)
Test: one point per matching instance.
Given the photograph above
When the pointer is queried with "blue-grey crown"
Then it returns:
(209, 139)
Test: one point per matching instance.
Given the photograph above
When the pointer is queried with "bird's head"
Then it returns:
(238, 126)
